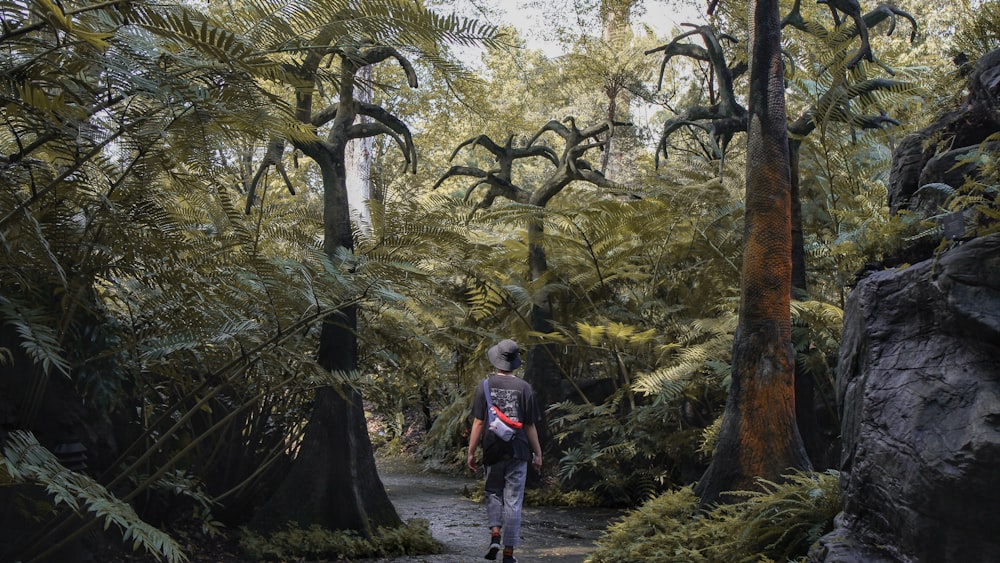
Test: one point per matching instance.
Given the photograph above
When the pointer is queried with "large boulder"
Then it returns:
(919, 388)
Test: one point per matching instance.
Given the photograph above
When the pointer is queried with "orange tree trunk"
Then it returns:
(759, 437)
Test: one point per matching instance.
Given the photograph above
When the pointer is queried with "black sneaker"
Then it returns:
(494, 549)
(509, 559)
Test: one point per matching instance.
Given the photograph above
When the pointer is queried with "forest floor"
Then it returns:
(548, 534)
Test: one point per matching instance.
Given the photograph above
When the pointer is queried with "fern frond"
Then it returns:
(827, 314)
(37, 336)
(591, 335)
(707, 342)
(25, 461)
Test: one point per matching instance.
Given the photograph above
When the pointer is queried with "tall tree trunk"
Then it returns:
(759, 436)
(334, 481)
(541, 369)
(358, 159)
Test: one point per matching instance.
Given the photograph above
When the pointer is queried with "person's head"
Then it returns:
(505, 356)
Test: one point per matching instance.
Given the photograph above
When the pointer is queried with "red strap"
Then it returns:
(506, 420)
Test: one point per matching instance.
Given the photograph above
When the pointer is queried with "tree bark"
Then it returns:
(541, 369)
(799, 287)
(334, 482)
(759, 436)
(358, 158)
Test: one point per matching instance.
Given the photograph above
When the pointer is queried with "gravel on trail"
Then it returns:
(548, 534)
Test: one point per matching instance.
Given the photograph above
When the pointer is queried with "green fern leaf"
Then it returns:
(25, 461)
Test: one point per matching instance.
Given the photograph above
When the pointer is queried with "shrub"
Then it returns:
(316, 542)
(779, 522)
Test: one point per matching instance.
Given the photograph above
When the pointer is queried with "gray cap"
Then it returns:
(505, 355)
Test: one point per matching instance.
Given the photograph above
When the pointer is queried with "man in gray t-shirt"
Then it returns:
(506, 462)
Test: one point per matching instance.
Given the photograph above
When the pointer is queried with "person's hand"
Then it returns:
(471, 462)
(536, 462)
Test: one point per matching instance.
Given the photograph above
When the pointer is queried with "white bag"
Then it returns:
(498, 427)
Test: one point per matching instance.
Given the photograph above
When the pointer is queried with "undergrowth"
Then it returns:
(549, 494)
(778, 523)
(554, 496)
(315, 542)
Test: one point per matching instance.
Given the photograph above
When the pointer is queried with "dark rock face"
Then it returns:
(928, 156)
(919, 385)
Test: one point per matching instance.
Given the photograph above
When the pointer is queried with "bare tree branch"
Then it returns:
(275, 150)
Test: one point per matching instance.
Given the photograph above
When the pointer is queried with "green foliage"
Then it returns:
(623, 455)
(845, 211)
(447, 439)
(976, 202)
(25, 461)
(816, 330)
(555, 496)
(979, 198)
(644, 437)
(778, 522)
(659, 530)
(318, 543)
(710, 437)
(978, 31)
(127, 264)
(697, 358)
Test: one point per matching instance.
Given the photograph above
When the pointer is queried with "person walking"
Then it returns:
(512, 400)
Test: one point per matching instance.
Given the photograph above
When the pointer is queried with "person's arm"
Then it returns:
(536, 447)
(477, 434)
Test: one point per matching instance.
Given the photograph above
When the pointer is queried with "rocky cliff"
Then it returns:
(919, 371)
(919, 381)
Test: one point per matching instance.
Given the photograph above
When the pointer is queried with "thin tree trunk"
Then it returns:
(759, 436)
(798, 240)
(616, 18)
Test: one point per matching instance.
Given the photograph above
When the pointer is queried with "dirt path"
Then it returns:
(549, 534)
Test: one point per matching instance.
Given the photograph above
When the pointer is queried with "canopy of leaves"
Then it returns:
(130, 275)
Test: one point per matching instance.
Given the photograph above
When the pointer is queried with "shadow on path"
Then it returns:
(550, 534)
